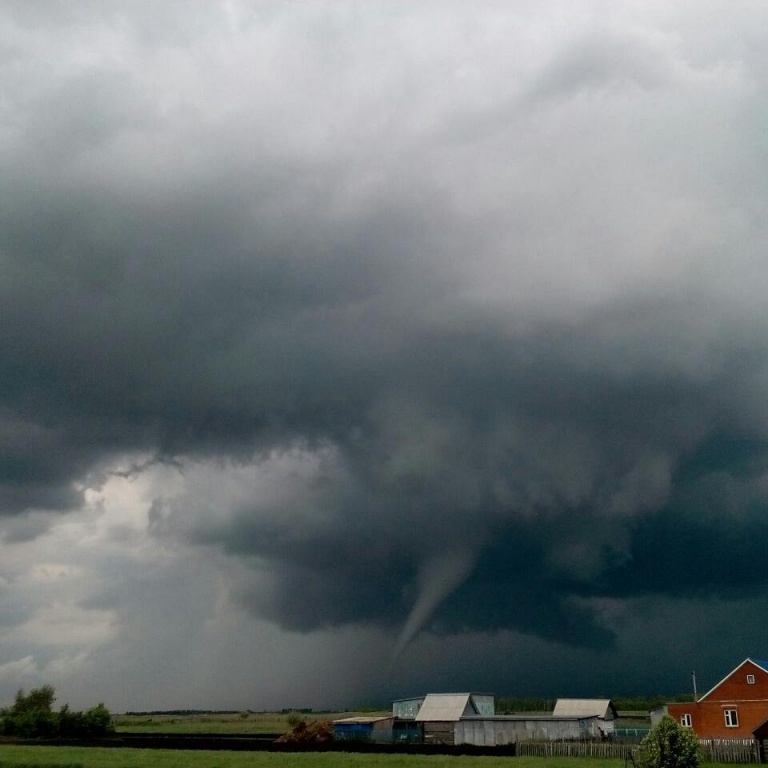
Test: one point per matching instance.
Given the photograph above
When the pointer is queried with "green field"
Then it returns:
(254, 722)
(95, 757)
(12, 756)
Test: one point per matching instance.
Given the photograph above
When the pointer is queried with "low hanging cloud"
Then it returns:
(448, 320)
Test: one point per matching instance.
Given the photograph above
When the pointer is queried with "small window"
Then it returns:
(731, 718)
(685, 720)
(751, 679)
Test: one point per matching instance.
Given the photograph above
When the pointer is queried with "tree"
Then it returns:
(38, 699)
(669, 745)
(32, 717)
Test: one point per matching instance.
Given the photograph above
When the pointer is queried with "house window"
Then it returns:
(751, 679)
(685, 720)
(731, 718)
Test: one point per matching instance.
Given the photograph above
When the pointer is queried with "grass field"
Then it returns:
(255, 722)
(93, 757)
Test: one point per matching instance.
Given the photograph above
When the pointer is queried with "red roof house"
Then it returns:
(733, 709)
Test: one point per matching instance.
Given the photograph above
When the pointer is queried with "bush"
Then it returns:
(669, 745)
(32, 717)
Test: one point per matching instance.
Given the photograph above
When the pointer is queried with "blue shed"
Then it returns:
(377, 729)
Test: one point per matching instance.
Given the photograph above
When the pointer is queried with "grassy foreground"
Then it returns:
(12, 756)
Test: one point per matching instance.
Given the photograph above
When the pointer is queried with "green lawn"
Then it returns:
(12, 756)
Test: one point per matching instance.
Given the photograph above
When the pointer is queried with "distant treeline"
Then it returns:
(199, 712)
(647, 703)
(508, 704)
(159, 712)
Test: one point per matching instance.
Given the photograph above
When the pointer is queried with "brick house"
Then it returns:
(733, 709)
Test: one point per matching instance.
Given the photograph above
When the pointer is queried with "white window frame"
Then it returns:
(750, 679)
(685, 720)
(731, 718)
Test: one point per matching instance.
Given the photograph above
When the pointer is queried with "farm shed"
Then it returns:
(378, 729)
(506, 729)
(407, 707)
(602, 709)
(407, 731)
(441, 711)
(733, 709)
(449, 707)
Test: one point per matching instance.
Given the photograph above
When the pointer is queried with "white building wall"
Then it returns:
(484, 732)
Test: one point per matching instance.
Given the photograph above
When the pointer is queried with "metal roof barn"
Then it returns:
(508, 729)
(602, 708)
(450, 707)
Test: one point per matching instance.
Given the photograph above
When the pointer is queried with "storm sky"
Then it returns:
(355, 350)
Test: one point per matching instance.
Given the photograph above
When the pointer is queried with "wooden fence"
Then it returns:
(714, 751)
(574, 749)
(730, 751)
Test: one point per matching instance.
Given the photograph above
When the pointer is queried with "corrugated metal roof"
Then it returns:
(528, 717)
(583, 708)
(360, 720)
(446, 707)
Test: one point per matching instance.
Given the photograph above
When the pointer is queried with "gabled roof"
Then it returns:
(761, 664)
(446, 707)
(584, 708)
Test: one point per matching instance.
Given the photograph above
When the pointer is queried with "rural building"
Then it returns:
(440, 712)
(378, 729)
(407, 707)
(407, 731)
(509, 729)
(470, 718)
(734, 709)
(602, 709)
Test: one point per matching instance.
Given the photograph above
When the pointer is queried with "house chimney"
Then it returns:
(695, 695)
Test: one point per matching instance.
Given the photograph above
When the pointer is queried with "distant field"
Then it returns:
(267, 722)
(94, 757)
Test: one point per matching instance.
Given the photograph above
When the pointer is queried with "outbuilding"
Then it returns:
(602, 709)
(440, 713)
(508, 729)
(376, 729)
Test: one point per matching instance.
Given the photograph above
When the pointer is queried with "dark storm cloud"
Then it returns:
(529, 350)
(566, 467)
